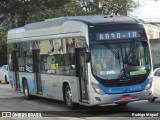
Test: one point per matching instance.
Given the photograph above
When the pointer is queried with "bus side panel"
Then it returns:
(30, 81)
(53, 86)
(48, 86)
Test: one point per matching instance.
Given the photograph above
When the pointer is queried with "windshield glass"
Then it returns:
(117, 61)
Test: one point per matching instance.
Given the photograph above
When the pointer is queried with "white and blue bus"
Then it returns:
(87, 60)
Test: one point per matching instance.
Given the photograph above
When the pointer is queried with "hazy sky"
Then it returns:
(149, 10)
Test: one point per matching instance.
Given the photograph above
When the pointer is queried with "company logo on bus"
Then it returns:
(125, 89)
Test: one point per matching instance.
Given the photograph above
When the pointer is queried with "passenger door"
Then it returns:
(15, 70)
(36, 70)
(81, 72)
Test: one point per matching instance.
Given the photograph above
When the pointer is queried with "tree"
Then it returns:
(16, 12)
(71, 8)
(3, 45)
(107, 6)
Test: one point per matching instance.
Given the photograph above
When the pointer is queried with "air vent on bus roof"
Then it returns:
(110, 16)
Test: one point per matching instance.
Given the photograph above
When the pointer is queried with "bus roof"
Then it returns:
(98, 19)
(61, 24)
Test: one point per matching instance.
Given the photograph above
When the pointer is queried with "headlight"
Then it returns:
(149, 84)
(97, 89)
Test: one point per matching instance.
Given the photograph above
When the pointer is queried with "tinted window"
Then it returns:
(117, 61)
(58, 56)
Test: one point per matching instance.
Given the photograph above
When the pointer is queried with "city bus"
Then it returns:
(82, 60)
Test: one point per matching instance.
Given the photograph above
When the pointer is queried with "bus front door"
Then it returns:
(81, 72)
(36, 70)
(15, 70)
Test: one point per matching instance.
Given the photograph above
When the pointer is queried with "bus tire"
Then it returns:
(26, 90)
(152, 99)
(68, 98)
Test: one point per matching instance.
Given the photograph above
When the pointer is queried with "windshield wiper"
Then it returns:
(131, 50)
(114, 52)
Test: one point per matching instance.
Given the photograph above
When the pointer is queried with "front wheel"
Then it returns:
(68, 98)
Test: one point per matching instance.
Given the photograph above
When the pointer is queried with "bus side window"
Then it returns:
(71, 55)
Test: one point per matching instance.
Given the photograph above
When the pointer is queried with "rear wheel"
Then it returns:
(26, 90)
(68, 98)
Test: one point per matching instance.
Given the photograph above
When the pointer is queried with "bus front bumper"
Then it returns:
(98, 99)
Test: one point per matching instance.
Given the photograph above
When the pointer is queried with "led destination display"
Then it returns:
(113, 35)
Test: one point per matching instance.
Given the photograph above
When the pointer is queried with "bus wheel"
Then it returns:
(68, 98)
(26, 90)
(152, 99)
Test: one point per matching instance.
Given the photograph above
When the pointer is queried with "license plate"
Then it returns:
(126, 98)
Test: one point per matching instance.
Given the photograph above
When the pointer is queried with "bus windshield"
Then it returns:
(119, 61)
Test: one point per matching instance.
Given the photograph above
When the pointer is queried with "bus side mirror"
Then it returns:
(87, 57)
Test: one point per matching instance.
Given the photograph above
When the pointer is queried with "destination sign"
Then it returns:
(114, 35)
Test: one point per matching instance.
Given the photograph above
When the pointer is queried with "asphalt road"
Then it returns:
(14, 104)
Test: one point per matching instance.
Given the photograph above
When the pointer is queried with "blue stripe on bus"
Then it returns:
(31, 84)
(30, 81)
(124, 89)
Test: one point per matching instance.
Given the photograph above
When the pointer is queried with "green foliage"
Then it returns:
(3, 53)
(3, 45)
(3, 33)
(17, 13)
(93, 7)
(71, 8)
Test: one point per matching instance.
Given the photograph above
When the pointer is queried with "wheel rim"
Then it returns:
(69, 97)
